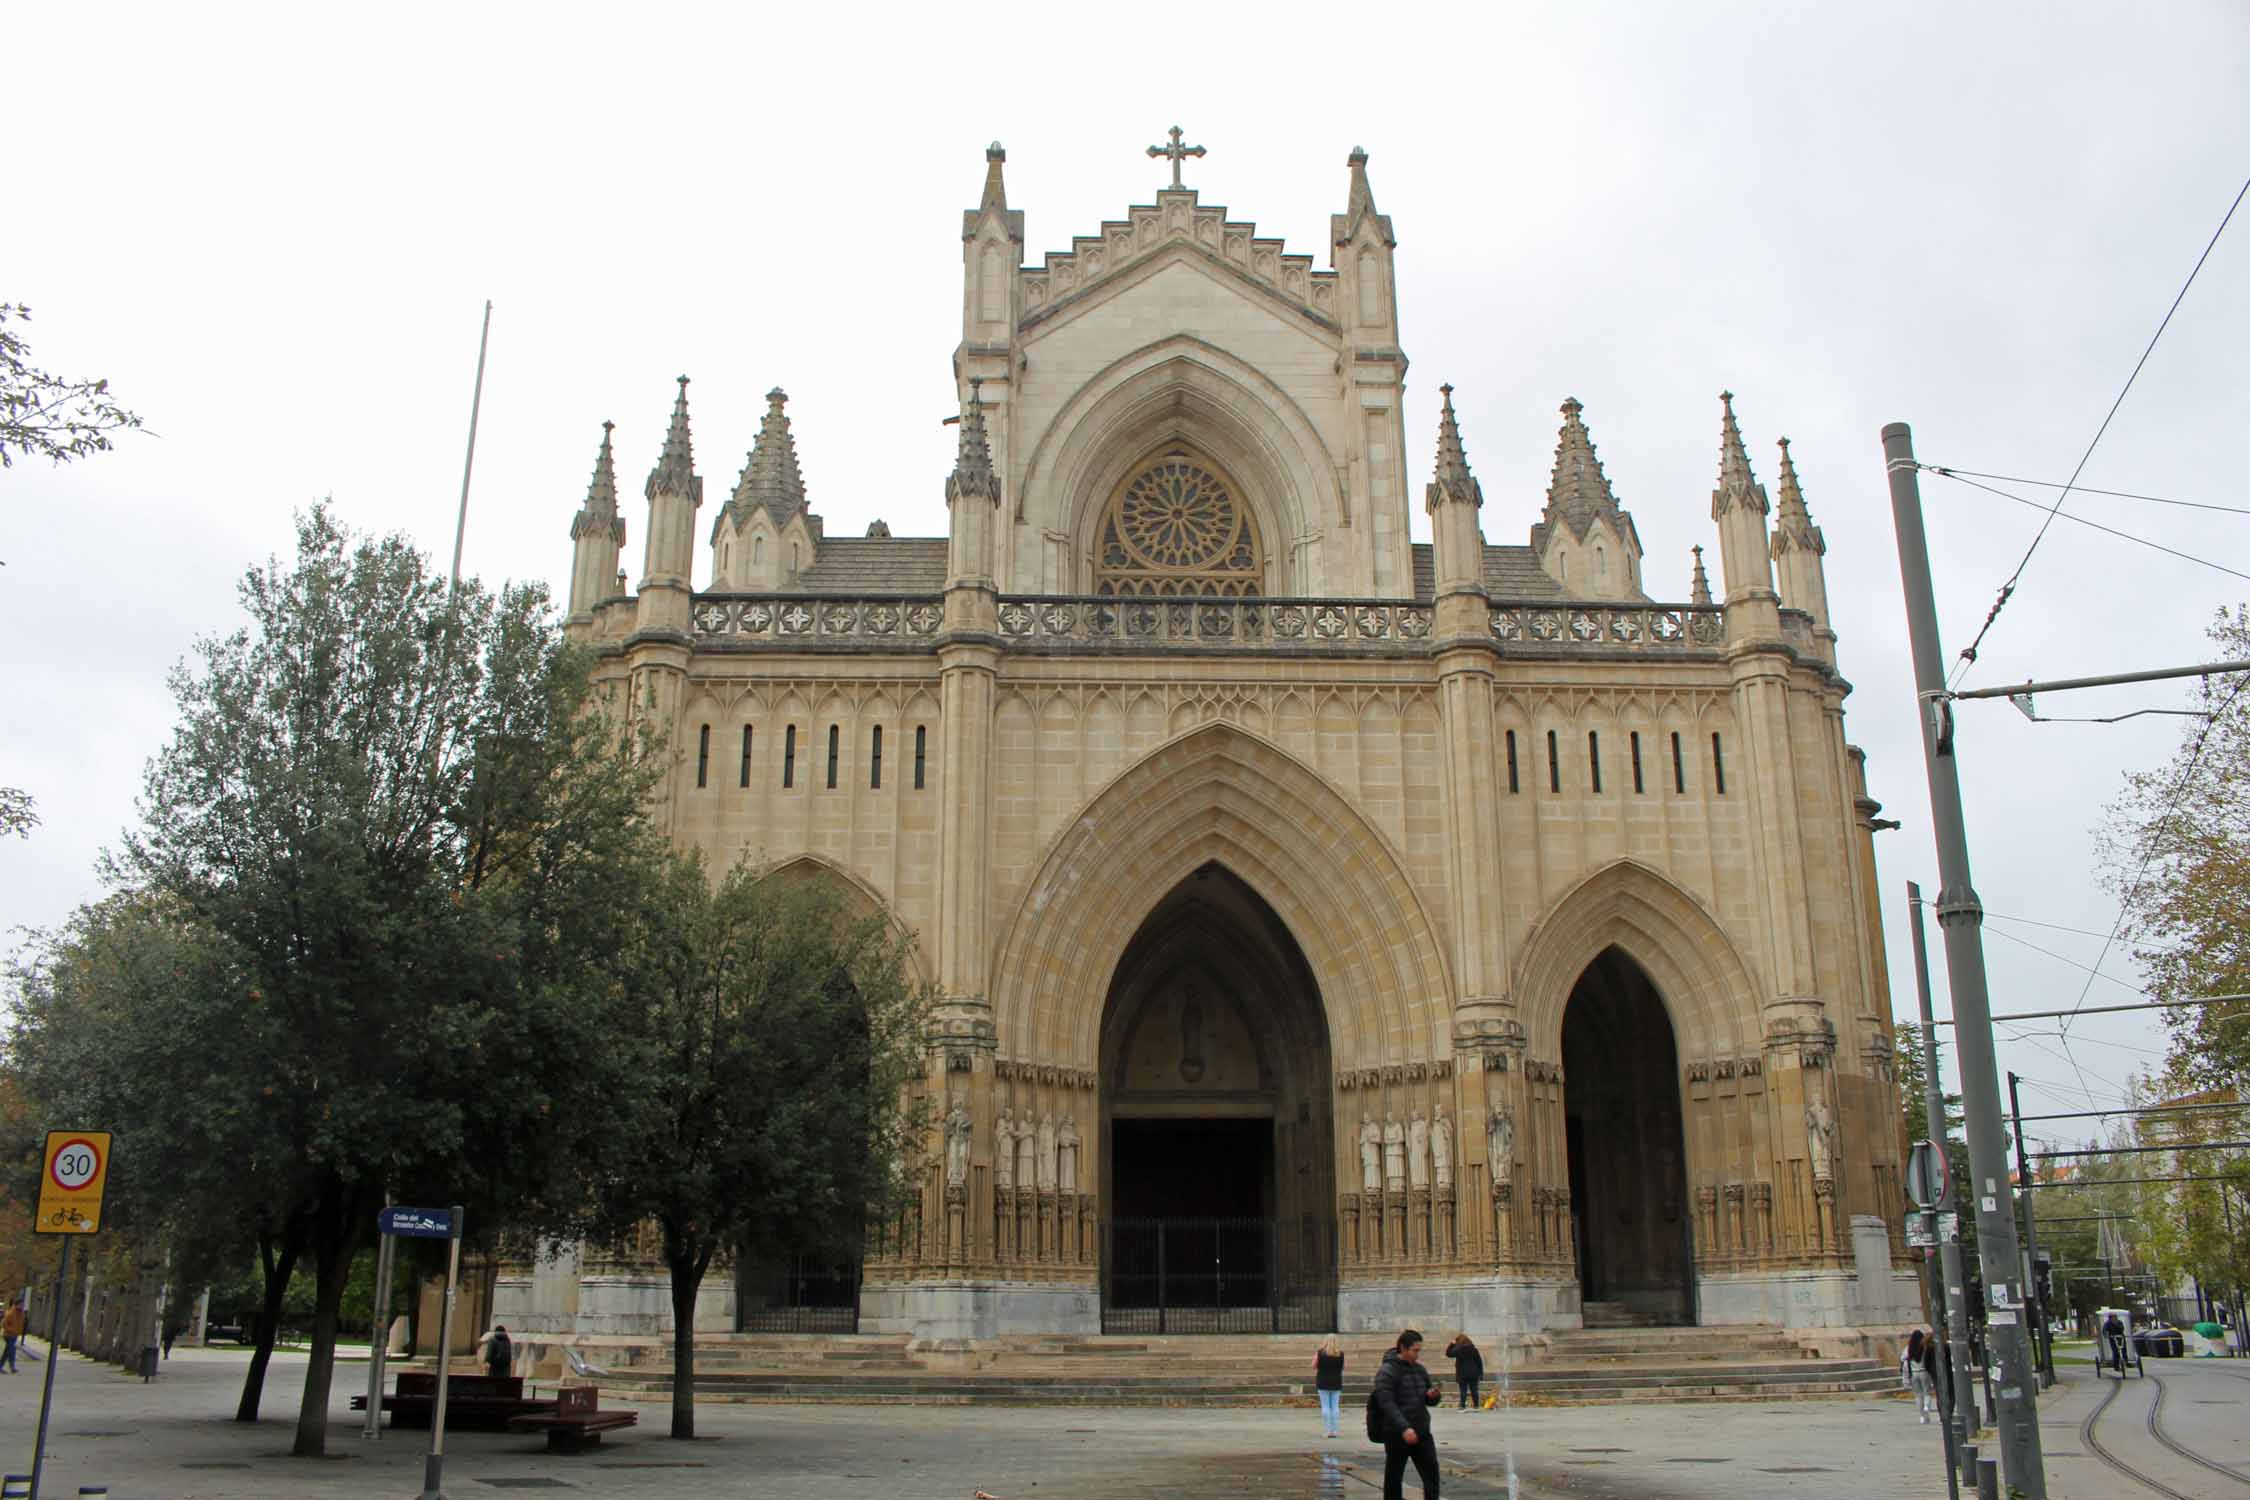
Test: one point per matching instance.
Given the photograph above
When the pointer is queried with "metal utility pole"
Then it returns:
(2035, 1306)
(476, 405)
(1961, 1398)
(1961, 917)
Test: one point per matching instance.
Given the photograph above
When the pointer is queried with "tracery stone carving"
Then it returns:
(1175, 528)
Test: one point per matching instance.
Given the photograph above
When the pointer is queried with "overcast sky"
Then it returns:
(273, 231)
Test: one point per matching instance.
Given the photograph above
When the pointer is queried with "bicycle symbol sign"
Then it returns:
(70, 1191)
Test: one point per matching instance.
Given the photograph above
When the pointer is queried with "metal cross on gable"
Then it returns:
(1177, 152)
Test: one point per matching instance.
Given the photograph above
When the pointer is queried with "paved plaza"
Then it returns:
(170, 1439)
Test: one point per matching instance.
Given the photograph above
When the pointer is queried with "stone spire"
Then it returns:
(1453, 481)
(599, 514)
(674, 473)
(1359, 207)
(1454, 497)
(1739, 506)
(770, 477)
(972, 493)
(597, 535)
(1699, 590)
(1363, 197)
(1578, 492)
(972, 465)
(1797, 551)
(995, 189)
(675, 493)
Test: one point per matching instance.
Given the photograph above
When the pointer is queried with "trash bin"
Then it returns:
(148, 1361)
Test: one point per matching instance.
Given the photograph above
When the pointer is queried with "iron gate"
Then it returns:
(801, 1294)
(1212, 1276)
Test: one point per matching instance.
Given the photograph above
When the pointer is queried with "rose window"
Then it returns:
(1176, 528)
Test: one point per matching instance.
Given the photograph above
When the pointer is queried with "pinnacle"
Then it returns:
(1453, 481)
(1699, 590)
(1363, 196)
(995, 188)
(770, 476)
(674, 473)
(1578, 492)
(972, 467)
(600, 511)
(1736, 483)
(1793, 525)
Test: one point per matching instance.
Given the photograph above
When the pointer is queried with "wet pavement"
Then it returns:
(170, 1439)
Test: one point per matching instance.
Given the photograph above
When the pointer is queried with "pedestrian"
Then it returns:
(2113, 1334)
(499, 1353)
(11, 1326)
(1404, 1394)
(1468, 1368)
(1921, 1368)
(1328, 1382)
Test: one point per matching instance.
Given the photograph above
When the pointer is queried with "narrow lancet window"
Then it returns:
(745, 755)
(1554, 765)
(1594, 758)
(789, 756)
(921, 743)
(1636, 742)
(1718, 765)
(875, 761)
(1679, 767)
(1513, 785)
(703, 757)
(835, 740)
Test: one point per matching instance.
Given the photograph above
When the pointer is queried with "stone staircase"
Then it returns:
(1632, 1364)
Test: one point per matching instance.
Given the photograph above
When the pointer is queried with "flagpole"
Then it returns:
(476, 404)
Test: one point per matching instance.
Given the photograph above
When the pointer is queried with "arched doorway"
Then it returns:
(1627, 1147)
(1218, 1169)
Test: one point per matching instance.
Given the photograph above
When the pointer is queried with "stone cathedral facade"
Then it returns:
(1333, 930)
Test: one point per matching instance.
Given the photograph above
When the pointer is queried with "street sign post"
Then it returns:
(393, 1223)
(433, 1467)
(1927, 1175)
(70, 1203)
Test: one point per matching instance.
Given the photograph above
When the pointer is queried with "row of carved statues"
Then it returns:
(1043, 1155)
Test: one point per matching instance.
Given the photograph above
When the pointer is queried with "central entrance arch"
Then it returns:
(1626, 1146)
(1216, 1122)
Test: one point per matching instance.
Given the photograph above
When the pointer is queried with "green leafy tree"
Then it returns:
(399, 815)
(48, 416)
(2177, 847)
(775, 1032)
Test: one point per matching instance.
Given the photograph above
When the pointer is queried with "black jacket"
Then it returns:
(1468, 1361)
(1328, 1372)
(1402, 1395)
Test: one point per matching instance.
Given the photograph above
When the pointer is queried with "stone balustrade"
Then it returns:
(1067, 624)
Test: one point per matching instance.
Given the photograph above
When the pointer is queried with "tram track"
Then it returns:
(2155, 1428)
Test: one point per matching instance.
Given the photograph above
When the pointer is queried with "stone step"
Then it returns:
(1855, 1372)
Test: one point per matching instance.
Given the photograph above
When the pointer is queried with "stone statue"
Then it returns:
(1066, 1156)
(1441, 1149)
(1004, 1150)
(1027, 1154)
(1418, 1151)
(1046, 1153)
(957, 1128)
(1370, 1155)
(1394, 1154)
(1820, 1129)
(1500, 1144)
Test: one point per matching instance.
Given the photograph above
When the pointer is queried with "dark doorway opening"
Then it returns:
(1218, 1131)
(1626, 1146)
(1193, 1169)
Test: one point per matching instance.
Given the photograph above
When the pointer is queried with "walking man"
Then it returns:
(11, 1326)
(1404, 1394)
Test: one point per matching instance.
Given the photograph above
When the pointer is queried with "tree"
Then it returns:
(2177, 847)
(399, 813)
(47, 416)
(774, 1034)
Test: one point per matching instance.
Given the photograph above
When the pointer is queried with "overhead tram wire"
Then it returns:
(1969, 653)
(1951, 472)
(2096, 525)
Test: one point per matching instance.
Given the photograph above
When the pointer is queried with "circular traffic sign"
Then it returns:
(1926, 1175)
(77, 1163)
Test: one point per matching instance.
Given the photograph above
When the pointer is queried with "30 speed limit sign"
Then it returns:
(70, 1189)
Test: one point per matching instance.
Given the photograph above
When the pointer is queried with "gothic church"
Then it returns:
(1335, 931)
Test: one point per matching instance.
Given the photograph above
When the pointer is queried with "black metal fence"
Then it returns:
(802, 1295)
(1210, 1276)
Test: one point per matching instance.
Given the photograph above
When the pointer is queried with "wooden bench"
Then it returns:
(485, 1402)
(577, 1422)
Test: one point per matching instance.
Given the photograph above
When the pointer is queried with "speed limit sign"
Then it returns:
(70, 1189)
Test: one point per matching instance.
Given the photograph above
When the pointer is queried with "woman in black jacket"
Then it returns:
(1468, 1368)
(1328, 1381)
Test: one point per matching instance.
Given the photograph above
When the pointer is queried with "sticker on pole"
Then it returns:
(416, 1223)
(1926, 1175)
(70, 1188)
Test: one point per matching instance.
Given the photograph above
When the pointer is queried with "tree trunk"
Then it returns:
(687, 1281)
(333, 1263)
(277, 1265)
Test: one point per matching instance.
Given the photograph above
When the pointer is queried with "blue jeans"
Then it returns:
(1331, 1409)
(8, 1355)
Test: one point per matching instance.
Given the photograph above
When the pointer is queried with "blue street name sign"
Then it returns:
(416, 1223)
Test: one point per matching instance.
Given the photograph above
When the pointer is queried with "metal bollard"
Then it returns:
(1988, 1479)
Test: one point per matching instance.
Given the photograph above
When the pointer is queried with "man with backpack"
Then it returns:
(1398, 1417)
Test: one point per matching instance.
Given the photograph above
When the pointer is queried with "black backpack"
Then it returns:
(1376, 1425)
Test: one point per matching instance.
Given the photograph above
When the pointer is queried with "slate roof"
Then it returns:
(874, 565)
